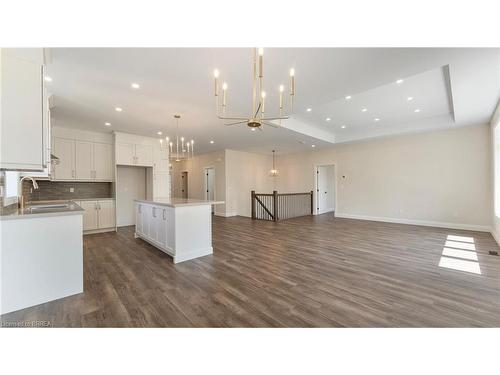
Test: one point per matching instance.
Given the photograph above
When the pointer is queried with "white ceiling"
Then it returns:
(451, 87)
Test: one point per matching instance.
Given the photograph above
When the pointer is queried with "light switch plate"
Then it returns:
(71, 189)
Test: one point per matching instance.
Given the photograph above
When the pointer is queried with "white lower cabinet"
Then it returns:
(151, 224)
(99, 214)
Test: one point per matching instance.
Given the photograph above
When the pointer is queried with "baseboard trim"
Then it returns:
(94, 231)
(437, 224)
(225, 214)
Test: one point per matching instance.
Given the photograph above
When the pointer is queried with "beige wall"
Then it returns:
(246, 172)
(196, 183)
(436, 178)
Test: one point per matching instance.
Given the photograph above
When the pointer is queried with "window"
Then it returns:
(11, 186)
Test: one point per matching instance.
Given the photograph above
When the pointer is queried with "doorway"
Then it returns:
(184, 184)
(325, 189)
(209, 177)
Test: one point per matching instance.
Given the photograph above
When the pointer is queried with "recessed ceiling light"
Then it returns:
(376, 119)
(328, 119)
(410, 98)
(309, 109)
(313, 146)
(348, 97)
(417, 110)
(107, 123)
(118, 109)
(159, 133)
(212, 142)
(364, 110)
(343, 126)
(135, 85)
(47, 79)
(253, 129)
(399, 81)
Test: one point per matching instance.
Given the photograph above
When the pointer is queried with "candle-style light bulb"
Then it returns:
(282, 89)
(224, 94)
(216, 82)
(171, 144)
(292, 81)
(263, 95)
(261, 65)
(192, 147)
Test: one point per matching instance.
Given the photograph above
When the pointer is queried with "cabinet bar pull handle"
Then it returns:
(164, 218)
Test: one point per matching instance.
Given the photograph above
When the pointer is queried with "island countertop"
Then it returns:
(71, 208)
(179, 202)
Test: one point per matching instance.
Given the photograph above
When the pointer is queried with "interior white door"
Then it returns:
(144, 155)
(64, 149)
(84, 165)
(324, 189)
(125, 154)
(103, 161)
(106, 213)
(90, 216)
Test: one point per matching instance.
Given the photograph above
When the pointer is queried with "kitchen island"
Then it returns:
(180, 227)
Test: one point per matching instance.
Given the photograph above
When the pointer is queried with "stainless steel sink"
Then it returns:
(48, 207)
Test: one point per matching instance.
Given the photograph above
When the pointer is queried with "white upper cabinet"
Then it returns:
(64, 149)
(83, 156)
(137, 150)
(103, 161)
(125, 153)
(144, 155)
(84, 163)
(23, 139)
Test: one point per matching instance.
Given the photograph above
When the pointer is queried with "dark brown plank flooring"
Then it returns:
(304, 272)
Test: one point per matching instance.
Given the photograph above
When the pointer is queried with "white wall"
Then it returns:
(436, 178)
(196, 186)
(246, 172)
(130, 185)
(495, 159)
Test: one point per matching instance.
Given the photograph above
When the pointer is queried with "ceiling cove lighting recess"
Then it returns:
(118, 109)
(135, 86)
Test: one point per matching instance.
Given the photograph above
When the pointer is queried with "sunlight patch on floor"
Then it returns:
(459, 253)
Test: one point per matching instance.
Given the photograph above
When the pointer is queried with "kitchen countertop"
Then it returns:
(72, 209)
(179, 202)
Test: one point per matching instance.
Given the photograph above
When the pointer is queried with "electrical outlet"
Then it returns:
(71, 189)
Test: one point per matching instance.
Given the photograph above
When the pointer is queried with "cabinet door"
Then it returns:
(84, 166)
(162, 227)
(106, 213)
(144, 155)
(90, 220)
(138, 219)
(64, 149)
(125, 154)
(146, 220)
(161, 185)
(153, 228)
(160, 160)
(21, 121)
(103, 161)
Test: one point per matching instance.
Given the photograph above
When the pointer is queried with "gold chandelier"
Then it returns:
(258, 116)
(186, 149)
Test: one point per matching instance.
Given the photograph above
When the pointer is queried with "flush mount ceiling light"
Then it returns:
(274, 172)
(348, 97)
(186, 149)
(118, 109)
(410, 98)
(107, 123)
(258, 116)
(47, 79)
(417, 110)
(399, 81)
(364, 110)
(135, 86)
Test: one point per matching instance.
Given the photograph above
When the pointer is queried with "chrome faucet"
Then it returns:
(20, 199)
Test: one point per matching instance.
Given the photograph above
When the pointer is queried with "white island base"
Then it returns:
(180, 227)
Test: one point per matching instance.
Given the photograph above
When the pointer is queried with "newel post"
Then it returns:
(275, 205)
(253, 204)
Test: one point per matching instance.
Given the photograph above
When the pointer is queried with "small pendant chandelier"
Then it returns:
(274, 172)
(184, 150)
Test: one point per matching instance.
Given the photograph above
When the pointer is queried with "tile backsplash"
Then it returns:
(53, 190)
